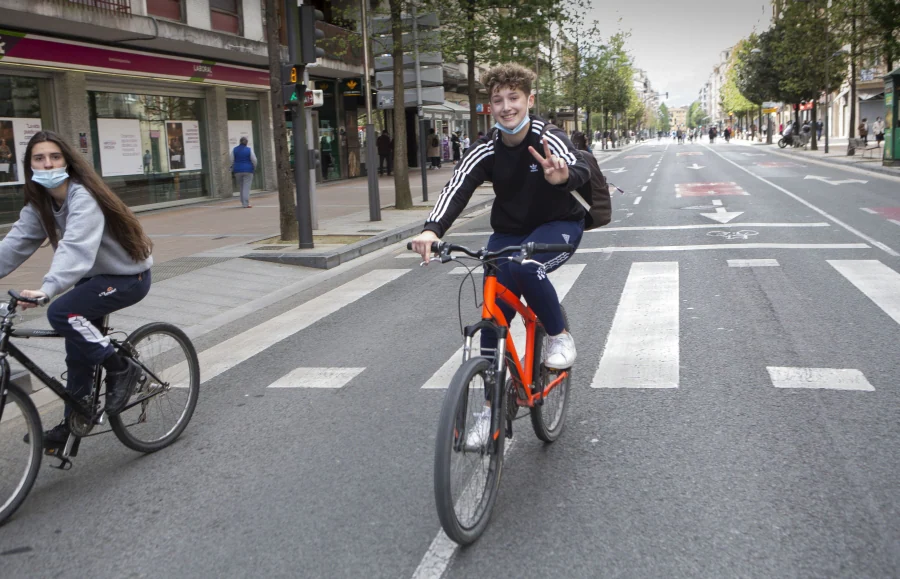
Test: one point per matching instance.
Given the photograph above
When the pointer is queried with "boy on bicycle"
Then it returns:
(533, 201)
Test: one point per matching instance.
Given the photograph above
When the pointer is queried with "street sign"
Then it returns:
(433, 95)
(770, 110)
(382, 24)
(383, 63)
(314, 99)
(433, 76)
(427, 40)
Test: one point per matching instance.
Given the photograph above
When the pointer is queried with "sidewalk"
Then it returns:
(837, 155)
(201, 281)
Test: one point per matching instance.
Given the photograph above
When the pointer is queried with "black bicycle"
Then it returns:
(158, 412)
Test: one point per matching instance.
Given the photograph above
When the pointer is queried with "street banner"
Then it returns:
(120, 147)
(14, 136)
(183, 144)
(238, 129)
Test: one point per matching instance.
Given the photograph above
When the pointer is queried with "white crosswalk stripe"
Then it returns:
(317, 378)
(822, 378)
(879, 282)
(563, 279)
(642, 348)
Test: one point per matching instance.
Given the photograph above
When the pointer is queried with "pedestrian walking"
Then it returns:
(454, 143)
(864, 131)
(148, 160)
(243, 163)
(434, 149)
(385, 145)
(465, 142)
(613, 137)
(878, 129)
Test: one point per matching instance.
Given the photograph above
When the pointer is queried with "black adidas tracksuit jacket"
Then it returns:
(524, 198)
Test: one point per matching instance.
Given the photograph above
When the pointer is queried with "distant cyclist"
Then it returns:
(532, 179)
(100, 251)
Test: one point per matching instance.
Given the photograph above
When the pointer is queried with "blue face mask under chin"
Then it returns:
(516, 130)
(51, 178)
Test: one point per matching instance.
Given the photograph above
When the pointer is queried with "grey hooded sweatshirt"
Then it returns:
(86, 248)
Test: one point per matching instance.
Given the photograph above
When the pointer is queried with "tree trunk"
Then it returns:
(402, 193)
(575, 86)
(470, 70)
(759, 123)
(851, 133)
(287, 219)
(813, 138)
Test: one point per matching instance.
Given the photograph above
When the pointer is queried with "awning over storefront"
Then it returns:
(448, 110)
(867, 95)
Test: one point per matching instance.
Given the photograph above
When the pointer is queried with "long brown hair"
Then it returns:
(121, 222)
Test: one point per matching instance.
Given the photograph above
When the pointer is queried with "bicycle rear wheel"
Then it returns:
(467, 475)
(549, 418)
(21, 439)
(162, 405)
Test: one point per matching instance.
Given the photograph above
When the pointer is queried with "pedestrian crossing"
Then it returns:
(642, 347)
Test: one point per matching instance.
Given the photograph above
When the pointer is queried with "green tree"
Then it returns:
(663, 116)
(883, 23)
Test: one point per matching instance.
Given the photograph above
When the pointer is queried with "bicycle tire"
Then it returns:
(12, 430)
(182, 376)
(549, 425)
(455, 407)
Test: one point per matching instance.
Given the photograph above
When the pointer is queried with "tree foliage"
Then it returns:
(664, 122)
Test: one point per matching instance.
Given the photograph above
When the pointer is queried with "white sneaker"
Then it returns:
(481, 430)
(559, 352)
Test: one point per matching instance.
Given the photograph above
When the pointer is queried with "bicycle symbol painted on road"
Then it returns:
(732, 235)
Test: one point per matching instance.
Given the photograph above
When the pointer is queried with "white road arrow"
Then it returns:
(619, 170)
(722, 216)
(695, 166)
(830, 182)
(753, 154)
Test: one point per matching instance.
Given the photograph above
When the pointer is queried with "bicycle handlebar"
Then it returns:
(527, 249)
(36, 301)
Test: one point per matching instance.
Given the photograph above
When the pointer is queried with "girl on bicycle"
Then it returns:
(101, 255)
(533, 177)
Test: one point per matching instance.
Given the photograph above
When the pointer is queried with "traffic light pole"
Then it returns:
(298, 117)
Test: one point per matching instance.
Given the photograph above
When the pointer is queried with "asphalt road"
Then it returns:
(681, 458)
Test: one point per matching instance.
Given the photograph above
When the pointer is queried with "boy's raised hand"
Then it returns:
(556, 171)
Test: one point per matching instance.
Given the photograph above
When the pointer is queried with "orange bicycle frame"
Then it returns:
(490, 311)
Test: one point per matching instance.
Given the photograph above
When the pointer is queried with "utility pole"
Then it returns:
(423, 124)
(371, 173)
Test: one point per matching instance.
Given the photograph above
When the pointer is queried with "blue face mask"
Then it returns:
(516, 130)
(51, 178)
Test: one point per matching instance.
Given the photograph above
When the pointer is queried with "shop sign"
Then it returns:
(21, 48)
(14, 136)
(483, 109)
(183, 144)
(351, 87)
(314, 98)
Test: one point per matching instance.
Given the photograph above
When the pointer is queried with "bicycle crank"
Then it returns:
(79, 425)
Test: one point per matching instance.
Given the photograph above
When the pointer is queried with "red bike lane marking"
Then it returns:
(708, 189)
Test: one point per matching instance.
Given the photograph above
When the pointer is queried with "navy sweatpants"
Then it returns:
(530, 280)
(77, 314)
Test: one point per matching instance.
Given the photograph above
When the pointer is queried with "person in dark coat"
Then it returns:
(385, 145)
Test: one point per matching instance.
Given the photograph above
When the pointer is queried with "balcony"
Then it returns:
(118, 6)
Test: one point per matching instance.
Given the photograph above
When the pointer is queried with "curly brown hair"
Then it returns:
(509, 75)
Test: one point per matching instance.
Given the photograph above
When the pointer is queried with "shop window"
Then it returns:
(24, 111)
(169, 9)
(150, 149)
(225, 15)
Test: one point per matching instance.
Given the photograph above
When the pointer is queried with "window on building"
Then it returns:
(225, 15)
(169, 9)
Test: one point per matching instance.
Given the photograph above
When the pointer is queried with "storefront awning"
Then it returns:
(447, 109)
(867, 95)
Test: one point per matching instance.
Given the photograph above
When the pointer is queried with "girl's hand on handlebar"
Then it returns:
(421, 244)
(31, 294)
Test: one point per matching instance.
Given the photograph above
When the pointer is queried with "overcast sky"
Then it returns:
(678, 41)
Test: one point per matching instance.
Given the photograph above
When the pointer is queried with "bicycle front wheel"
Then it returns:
(21, 439)
(549, 416)
(164, 401)
(469, 452)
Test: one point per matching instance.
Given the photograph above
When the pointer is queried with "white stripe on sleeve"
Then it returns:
(480, 152)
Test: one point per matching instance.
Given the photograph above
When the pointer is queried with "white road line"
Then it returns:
(649, 180)
(317, 378)
(638, 200)
(642, 346)
(825, 378)
(408, 255)
(464, 270)
(894, 221)
(824, 214)
(717, 203)
(879, 282)
(669, 227)
(563, 279)
(724, 246)
(228, 354)
(643, 188)
(867, 210)
(436, 560)
(753, 263)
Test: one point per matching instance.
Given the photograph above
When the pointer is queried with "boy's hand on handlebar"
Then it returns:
(421, 244)
(31, 294)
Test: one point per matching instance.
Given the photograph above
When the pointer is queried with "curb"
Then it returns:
(333, 258)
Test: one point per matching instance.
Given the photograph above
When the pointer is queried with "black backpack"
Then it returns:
(594, 195)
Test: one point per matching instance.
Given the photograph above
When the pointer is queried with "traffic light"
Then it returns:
(309, 34)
